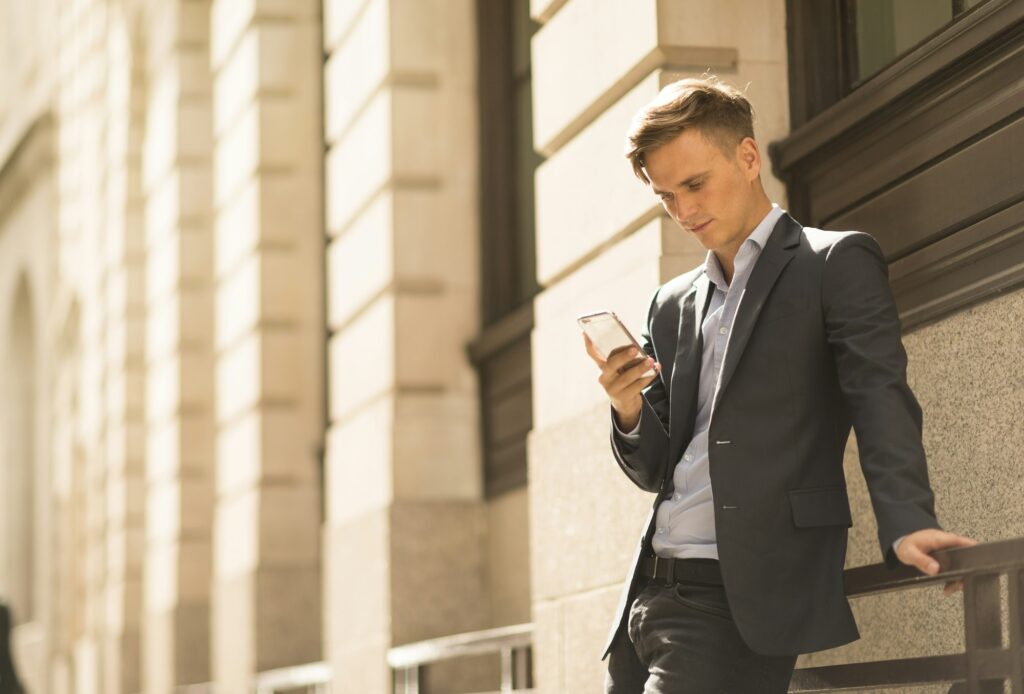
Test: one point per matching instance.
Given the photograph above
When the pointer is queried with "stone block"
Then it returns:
(566, 230)
(565, 529)
(757, 29)
(418, 109)
(357, 581)
(360, 164)
(289, 527)
(181, 320)
(360, 262)
(548, 647)
(288, 616)
(268, 442)
(192, 630)
(179, 197)
(182, 507)
(176, 644)
(508, 557)
(582, 52)
(178, 259)
(177, 572)
(445, 595)
(436, 235)
(358, 466)
(436, 446)
(263, 289)
(362, 358)
(233, 628)
(590, 53)
(587, 618)
(230, 19)
(263, 137)
(236, 535)
(237, 155)
(261, 367)
(177, 383)
(356, 69)
(272, 58)
(179, 444)
(431, 330)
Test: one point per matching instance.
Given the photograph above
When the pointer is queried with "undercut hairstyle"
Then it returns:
(719, 111)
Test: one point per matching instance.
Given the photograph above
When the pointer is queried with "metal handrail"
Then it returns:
(316, 676)
(983, 664)
(513, 642)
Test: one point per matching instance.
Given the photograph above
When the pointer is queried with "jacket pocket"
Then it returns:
(816, 506)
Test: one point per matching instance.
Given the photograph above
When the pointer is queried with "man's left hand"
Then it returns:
(915, 548)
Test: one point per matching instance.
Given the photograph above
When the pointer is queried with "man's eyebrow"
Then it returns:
(683, 183)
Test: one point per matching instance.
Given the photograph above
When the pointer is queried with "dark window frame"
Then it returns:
(957, 75)
(501, 352)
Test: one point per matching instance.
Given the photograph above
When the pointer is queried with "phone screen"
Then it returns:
(608, 334)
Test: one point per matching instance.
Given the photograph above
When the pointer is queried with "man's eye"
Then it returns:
(694, 186)
(665, 196)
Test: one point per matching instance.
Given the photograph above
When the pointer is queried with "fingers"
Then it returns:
(935, 539)
(631, 380)
(592, 351)
(915, 557)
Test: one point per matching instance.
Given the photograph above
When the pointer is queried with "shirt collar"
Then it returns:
(755, 241)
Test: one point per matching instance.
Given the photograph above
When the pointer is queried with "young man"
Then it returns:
(765, 356)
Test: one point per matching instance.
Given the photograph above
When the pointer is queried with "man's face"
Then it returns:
(707, 192)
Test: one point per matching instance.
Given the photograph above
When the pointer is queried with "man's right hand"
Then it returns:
(622, 379)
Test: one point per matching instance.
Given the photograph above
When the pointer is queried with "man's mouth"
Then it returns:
(700, 227)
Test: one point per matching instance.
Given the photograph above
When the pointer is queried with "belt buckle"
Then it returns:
(670, 561)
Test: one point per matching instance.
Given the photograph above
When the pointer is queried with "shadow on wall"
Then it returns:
(9, 683)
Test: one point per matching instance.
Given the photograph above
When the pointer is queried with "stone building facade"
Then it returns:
(287, 302)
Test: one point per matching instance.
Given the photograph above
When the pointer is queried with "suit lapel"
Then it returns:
(773, 259)
(686, 370)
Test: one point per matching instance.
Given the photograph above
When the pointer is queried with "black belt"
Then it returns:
(670, 570)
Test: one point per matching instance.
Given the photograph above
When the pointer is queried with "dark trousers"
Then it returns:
(681, 638)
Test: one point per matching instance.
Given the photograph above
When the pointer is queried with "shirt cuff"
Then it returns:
(630, 436)
(896, 542)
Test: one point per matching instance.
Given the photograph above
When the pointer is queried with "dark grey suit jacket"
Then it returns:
(815, 347)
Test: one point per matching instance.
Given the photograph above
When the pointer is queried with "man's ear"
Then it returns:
(749, 157)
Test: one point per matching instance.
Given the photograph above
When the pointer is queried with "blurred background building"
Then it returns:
(287, 294)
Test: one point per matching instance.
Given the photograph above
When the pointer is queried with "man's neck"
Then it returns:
(727, 256)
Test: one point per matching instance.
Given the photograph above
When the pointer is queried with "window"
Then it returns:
(508, 281)
(906, 116)
(837, 45)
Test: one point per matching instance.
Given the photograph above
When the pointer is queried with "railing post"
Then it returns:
(982, 628)
(506, 670)
(407, 680)
(522, 668)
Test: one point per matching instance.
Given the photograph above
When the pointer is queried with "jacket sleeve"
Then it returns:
(863, 329)
(644, 459)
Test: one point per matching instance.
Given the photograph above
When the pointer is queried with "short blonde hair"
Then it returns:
(719, 111)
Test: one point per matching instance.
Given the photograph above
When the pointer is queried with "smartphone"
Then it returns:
(608, 334)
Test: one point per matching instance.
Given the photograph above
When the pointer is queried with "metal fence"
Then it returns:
(513, 643)
(984, 665)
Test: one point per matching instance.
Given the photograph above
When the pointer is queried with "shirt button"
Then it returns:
(723, 330)
(661, 531)
(688, 457)
(677, 497)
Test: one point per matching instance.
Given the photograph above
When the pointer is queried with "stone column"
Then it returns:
(603, 241)
(81, 239)
(405, 524)
(179, 345)
(122, 299)
(269, 336)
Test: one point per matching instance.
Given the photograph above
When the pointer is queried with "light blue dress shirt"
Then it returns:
(685, 521)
